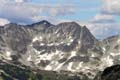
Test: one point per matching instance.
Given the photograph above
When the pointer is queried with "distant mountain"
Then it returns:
(63, 47)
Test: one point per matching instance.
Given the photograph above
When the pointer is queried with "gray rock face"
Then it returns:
(66, 46)
(14, 40)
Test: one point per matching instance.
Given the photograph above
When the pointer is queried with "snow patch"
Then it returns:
(42, 44)
(104, 49)
(57, 52)
(61, 42)
(79, 42)
(92, 55)
(8, 55)
(114, 54)
(50, 44)
(54, 63)
(79, 66)
(109, 61)
(59, 67)
(57, 44)
(29, 58)
(37, 38)
(44, 23)
(70, 67)
(118, 41)
(73, 53)
(68, 44)
(37, 61)
(46, 56)
(48, 67)
(71, 40)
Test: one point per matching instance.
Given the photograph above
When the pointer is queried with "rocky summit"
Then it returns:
(66, 47)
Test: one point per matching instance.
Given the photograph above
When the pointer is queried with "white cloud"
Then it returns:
(104, 18)
(103, 30)
(15, 1)
(104, 23)
(65, 10)
(29, 13)
(20, 0)
(18, 12)
(111, 7)
(3, 21)
(5, 1)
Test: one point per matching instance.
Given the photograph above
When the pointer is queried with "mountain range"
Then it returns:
(64, 48)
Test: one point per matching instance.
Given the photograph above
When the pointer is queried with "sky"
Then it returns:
(102, 17)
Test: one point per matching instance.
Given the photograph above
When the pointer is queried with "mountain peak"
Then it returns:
(69, 23)
(43, 22)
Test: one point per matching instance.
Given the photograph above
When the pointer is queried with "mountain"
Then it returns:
(63, 47)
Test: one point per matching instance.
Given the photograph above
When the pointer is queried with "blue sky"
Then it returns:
(74, 10)
(81, 15)
(102, 17)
